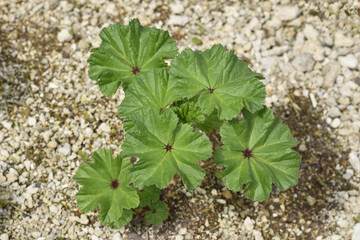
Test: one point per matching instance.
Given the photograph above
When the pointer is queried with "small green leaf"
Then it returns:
(165, 148)
(157, 214)
(148, 195)
(127, 51)
(106, 184)
(210, 122)
(196, 41)
(125, 218)
(201, 29)
(150, 90)
(187, 112)
(257, 152)
(221, 80)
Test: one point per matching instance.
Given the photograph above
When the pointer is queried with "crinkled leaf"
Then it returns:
(123, 220)
(150, 90)
(188, 112)
(156, 164)
(126, 51)
(148, 195)
(210, 122)
(257, 152)
(222, 80)
(157, 214)
(106, 184)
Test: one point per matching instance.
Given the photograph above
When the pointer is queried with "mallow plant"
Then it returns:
(169, 114)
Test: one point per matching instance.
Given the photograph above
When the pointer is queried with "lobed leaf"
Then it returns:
(126, 51)
(148, 195)
(221, 80)
(157, 214)
(165, 148)
(150, 90)
(106, 184)
(125, 218)
(257, 152)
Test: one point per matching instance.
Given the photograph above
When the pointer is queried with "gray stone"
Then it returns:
(331, 71)
(334, 112)
(304, 62)
(286, 12)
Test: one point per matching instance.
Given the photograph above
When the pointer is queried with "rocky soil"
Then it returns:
(52, 116)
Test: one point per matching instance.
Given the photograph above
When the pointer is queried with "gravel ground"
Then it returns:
(52, 116)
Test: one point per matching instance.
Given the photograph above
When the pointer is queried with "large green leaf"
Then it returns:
(126, 51)
(165, 148)
(150, 90)
(257, 152)
(125, 218)
(106, 184)
(223, 81)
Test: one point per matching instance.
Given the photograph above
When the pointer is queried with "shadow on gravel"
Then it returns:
(303, 207)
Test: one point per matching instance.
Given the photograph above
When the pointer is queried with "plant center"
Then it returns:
(115, 184)
(211, 90)
(135, 70)
(168, 148)
(247, 153)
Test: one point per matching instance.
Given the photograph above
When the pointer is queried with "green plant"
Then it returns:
(169, 114)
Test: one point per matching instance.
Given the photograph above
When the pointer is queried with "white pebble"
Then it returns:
(286, 12)
(335, 123)
(183, 231)
(6, 124)
(65, 150)
(32, 121)
(64, 35)
(178, 20)
(356, 232)
(177, 8)
(214, 192)
(349, 61)
(354, 161)
(117, 236)
(257, 235)
(249, 226)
